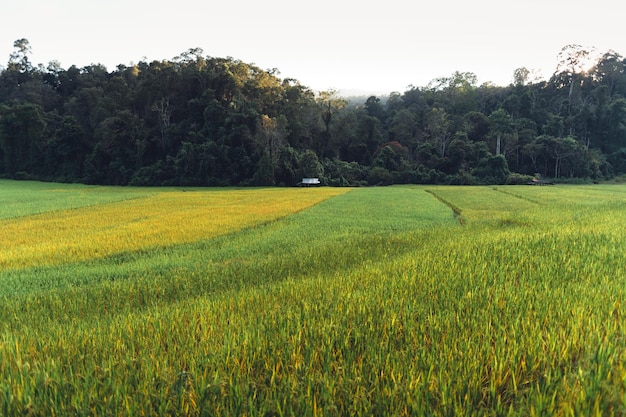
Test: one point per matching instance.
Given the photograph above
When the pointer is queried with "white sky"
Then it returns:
(378, 46)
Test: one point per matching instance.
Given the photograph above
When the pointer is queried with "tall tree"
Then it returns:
(18, 60)
(329, 104)
(610, 71)
(574, 61)
(270, 135)
(22, 133)
(559, 148)
(521, 76)
(437, 125)
(500, 125)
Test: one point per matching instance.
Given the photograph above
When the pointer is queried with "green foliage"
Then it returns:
(342, 173)
(618, 161)
(22, 129)
(379, 176)
(518, 179)
(200, 120)
(492, 170)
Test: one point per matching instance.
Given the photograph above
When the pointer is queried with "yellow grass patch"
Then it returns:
(164, 219)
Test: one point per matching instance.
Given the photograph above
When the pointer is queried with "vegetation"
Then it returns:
(366, 301)
(198, 121)
(141, 223)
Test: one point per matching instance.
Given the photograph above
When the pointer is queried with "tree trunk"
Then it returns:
(556, 167)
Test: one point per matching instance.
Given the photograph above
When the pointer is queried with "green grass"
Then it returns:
(375, 302)
(25, 198)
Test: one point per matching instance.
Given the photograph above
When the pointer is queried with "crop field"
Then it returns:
(403, 301)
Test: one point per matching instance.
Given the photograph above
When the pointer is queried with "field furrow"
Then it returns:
(289, 302)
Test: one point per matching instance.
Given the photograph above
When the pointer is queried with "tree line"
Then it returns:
(196, 120)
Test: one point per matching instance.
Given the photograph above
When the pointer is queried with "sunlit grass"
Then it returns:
(25, 198)
(160, 220)
(374, 302)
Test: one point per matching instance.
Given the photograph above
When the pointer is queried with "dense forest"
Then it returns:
(198, 120)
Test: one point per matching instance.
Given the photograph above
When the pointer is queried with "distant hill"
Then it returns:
(346, 93)
(358, 97)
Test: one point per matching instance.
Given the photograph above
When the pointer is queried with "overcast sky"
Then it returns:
(377, 46)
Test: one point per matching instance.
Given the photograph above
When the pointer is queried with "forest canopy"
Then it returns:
(200, 120)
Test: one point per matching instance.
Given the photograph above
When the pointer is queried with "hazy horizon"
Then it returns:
(324, 45)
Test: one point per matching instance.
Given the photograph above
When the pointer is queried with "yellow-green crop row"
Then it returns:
(374, 302)
(160, 220)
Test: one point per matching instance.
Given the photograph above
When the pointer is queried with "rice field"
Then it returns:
(142, 222)
(404, 300)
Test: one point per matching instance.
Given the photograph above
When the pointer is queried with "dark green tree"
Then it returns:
(22, 138)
